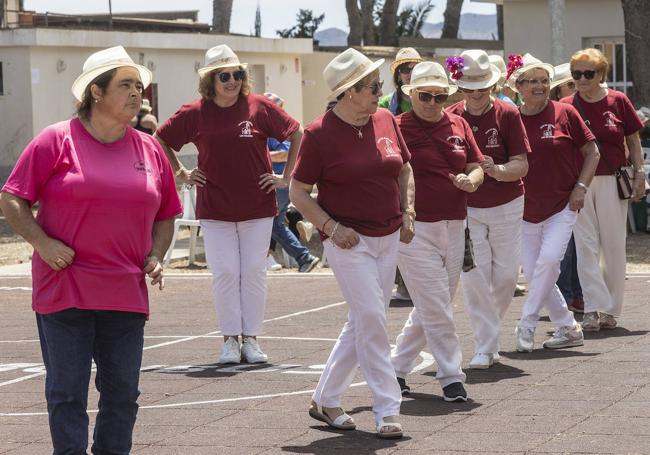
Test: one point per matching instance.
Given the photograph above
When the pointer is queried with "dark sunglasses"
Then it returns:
(469, 90)
(376, 87)
(426, 97)
(577, 74)
(236, 75)
(405, 69)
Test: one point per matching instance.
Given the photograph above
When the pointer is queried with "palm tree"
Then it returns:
(388, 25)
(452, 19)
(636, 15)
(354, 19)
(221, 12)
(412, 18)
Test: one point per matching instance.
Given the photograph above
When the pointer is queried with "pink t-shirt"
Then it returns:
(611, 120)
(232, 153)
(101, 200)
(438, 149)
(499, 134)
(357, 178)
(556, 135)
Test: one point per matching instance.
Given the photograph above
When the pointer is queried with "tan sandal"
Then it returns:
(338, 422)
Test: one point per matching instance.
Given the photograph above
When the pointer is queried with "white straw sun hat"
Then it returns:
(477, 72)
(429, 74)
(562, 75)
(529, 63)
(220, 56)
(346, 69)
(103, 61)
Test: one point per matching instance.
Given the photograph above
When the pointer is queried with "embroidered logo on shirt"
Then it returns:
(548, 130)
(246, 128)
(142, 167)
(457, 143)
(493, 138)
(387, 145)
(610, 118)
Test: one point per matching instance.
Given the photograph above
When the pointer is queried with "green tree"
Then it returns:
(306, 26)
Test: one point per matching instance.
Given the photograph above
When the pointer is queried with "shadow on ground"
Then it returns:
(346, 442)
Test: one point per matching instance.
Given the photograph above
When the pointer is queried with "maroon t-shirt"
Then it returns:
(357, 178)
(611, 120)
(556, 135)
(232, 153)
(500, 134)
(438, 149)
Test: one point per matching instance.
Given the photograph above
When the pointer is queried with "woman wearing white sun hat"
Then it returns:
(107, 202)
(495, 210)
(357, 157)
(555, 190)
(445, 160)
(501, 91)
(235, 198)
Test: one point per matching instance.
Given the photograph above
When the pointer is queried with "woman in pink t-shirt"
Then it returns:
(555, 191)
(358, 159)
(107, 200)
(495, 210)
(600, 240)
(236, 200)
(445, 160)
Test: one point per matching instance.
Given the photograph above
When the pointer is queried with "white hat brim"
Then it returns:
(397, 63)
(332, 96)
(206, 69)
(80, 84)
(451, 89)
(512, 80)
(561, 81)
(496, 75)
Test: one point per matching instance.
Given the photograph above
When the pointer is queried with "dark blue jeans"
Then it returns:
(70, 340)
(283, 235)
(568, 281)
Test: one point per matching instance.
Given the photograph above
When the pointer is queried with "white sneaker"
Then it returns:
(525, 339)
(251, 352)
(231, 352)
(566, 337)
(496, 358)
(271, 265)
(306, 230)
(481, 361)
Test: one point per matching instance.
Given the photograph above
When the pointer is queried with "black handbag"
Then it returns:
(469, 262)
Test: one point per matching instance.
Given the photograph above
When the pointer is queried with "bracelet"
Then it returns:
(325, 223)
(581, 185)
(336, 226)
(179, 171)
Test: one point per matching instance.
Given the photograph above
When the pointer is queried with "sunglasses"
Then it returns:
(469, 90)
(535, 81)
(426, 97)
(376, 87)
(236, 75)
(405, 69)
(588, 74)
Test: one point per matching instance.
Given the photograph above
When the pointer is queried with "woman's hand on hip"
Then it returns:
(345, 237)
(269, 182)
(192, 177)
(154, 269)
(462, 182)
(55, 253)
(407, 231)
(577, 198)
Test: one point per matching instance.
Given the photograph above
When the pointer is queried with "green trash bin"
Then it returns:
(640, 212)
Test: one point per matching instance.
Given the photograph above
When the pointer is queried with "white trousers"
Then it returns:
(600, 234)
(365, 275)
(488, 289)
(236, 253)
(543, 247)
(430, 266)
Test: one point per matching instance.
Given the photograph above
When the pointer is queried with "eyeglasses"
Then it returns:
(588, 74)
(469, 90)
(426, 97)
(405, 69)
(236, 75)
(376, 87)
(535, 81)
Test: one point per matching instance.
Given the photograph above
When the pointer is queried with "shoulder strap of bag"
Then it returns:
(578, 105)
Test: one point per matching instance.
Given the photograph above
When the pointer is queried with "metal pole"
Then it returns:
(558, 31)
(110, 15)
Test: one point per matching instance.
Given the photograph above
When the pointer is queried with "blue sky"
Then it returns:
(276, 14)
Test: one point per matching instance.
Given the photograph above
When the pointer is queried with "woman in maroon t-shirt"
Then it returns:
(555, 191)
(495, 210)
(357, 157)
(235, 199)
(445, 160)
(600, 240)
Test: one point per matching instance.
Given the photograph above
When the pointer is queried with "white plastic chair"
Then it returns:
(188, 196)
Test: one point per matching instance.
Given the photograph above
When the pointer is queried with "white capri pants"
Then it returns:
(430, 266)
(543, 247)
(236, 254)
(488, 289)
(600, 234)
(365, 275)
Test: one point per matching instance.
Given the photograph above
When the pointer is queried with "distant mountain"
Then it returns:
(472, 26)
